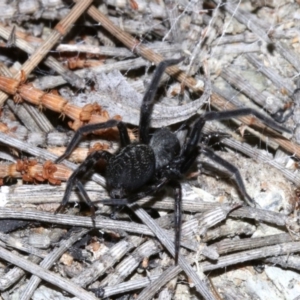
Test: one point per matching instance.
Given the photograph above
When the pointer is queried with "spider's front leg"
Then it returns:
(190, 147)
(147, 103)
(150, 190)
(225, 115)
(233, 170)
(177, 215)
(74, 179)
(195, 133)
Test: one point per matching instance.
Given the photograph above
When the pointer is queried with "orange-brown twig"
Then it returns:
(32, 171)
(90, 113)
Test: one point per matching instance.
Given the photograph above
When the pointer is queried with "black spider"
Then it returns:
(144, 167)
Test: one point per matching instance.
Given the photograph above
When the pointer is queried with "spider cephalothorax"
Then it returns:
(142, 168)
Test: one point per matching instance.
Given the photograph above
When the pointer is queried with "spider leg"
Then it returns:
(86, 166)
(223, 115)
(124, 138)
(193, 138)
(205, 139)
(175, 185)
(236, 176)
(147, 103)
(86, 198)
(139, 195)
(195, 133)
(177, 215)
(189, 152)
(187, 162)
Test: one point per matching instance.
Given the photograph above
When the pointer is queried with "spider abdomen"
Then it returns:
(130, 169)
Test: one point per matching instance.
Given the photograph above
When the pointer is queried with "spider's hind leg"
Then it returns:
(82, 170)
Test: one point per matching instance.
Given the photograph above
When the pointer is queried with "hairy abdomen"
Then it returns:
(130, 169)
